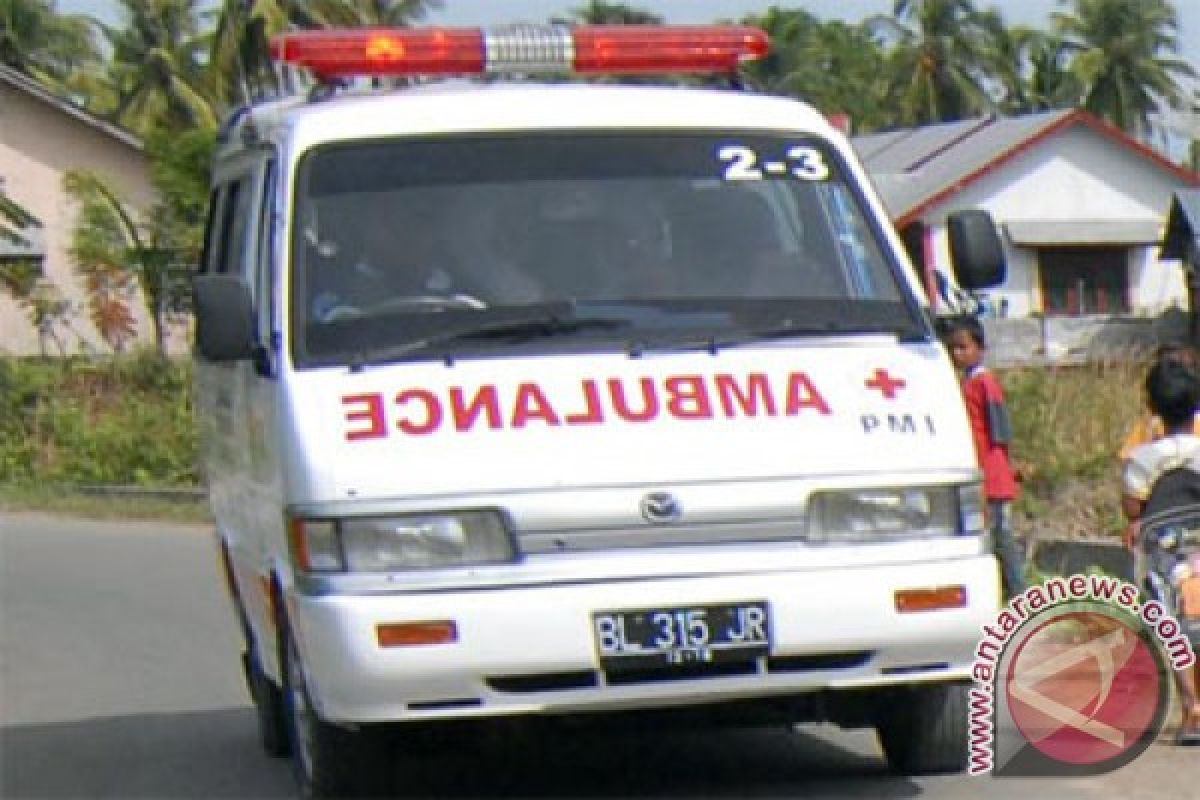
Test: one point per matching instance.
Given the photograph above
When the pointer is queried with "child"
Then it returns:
(992, 432)
(1173, 394)
(1150, 426)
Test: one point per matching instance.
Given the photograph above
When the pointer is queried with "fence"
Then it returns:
(1076, 340)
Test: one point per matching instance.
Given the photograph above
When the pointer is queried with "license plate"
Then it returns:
(670, 637)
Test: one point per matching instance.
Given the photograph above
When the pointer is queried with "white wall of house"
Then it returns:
(39, 143)
(1076, 175)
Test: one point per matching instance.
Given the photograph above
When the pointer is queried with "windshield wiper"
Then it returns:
(714, 342)
(540, 326)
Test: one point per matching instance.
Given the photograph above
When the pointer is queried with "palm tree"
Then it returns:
(938, 65)
(832, 65)
(241, 68)
(785, 69)
(157, 66)
(360, 13)
(42, 44)
(1031, 66)
(599, 12)
(1048, 82)
(1123, 57)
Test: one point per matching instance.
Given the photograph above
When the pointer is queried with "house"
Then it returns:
(1081, 207)
(42, 137)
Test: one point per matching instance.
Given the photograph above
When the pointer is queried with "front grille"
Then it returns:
(620, 538)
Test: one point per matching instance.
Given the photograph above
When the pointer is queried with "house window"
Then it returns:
(1084, 280)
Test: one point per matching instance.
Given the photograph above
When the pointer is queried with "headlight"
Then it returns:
(895, 513)
(400, 542)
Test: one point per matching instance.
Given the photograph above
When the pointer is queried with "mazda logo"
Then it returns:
(660, 507)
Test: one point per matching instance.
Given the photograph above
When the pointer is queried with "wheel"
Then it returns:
(268, 702)
(923, 729)
(328, 761)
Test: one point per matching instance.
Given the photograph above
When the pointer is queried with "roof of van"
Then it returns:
(461, 106)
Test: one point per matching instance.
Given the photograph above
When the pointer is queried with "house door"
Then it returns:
(1077, 281)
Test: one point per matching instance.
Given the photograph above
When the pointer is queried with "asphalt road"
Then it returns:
(119, 679)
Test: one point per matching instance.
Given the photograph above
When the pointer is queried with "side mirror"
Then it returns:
(224, 317)
(975, 250)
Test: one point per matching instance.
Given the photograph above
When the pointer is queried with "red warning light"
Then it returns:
(612, 49)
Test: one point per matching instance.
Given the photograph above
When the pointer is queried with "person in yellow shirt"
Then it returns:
(1149, 427)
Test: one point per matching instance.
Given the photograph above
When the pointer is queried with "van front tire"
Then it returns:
(328, 761)
(923, 729)
(268, 703)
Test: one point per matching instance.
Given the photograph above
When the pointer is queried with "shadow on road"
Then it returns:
(215, 754)
(172, 755)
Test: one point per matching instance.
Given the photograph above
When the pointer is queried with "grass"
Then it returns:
(75, 502)
(1068, 424)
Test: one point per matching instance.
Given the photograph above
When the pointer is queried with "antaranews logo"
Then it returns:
(1072, 678)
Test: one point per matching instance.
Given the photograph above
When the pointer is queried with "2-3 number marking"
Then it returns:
(807, 163)
(741, 162)
(803, 162)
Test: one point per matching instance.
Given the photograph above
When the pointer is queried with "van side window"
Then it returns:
(238, 214)
(264, 264)
(213, 231)
(228, 228)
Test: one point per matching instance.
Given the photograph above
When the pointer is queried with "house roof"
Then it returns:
(23, 83)
(915, 169)
(1182, 238)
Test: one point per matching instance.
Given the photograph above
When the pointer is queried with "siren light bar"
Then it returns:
(588, 49)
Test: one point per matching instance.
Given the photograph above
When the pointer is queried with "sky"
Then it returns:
(490, 12)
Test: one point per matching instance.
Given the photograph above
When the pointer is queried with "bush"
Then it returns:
(129, 420)
(126, 421)
(1068, 424)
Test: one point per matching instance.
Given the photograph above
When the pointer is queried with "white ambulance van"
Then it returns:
(545, 398)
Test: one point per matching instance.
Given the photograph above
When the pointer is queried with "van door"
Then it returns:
(235, 398)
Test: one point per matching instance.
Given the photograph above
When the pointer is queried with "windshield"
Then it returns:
(477, 245)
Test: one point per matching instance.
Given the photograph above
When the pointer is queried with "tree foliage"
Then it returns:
(938, 63)
(1123, 54)
(120, 255)
(43, 44)
(173, 68)
(835, 66)
(599, 12)
(241, 68)
(157, 68)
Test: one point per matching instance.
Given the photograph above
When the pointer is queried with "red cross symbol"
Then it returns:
(886, 384)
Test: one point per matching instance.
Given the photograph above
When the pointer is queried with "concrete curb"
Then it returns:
(183, 493)
(1067, 557)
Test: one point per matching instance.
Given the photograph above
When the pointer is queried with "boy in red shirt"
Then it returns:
(992, 432)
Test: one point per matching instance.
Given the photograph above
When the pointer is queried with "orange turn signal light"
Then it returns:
(411, 634)
(930, 599)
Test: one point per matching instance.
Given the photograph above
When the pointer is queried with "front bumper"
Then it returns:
(530, 649)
